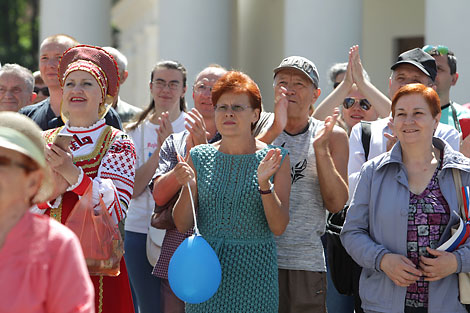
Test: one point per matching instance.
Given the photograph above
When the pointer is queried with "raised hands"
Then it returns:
(165, 128)
(391, 139)
(197, 130)
(268, 167)
(322, 138)
(355, 65)
(280, 107)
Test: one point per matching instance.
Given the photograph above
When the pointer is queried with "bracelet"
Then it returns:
(266, 192)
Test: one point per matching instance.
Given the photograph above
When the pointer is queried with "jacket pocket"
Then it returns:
(375, 289)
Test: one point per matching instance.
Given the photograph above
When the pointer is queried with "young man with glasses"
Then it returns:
(16, 87)
(447, 77)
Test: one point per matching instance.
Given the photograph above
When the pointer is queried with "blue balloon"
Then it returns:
(194, 272)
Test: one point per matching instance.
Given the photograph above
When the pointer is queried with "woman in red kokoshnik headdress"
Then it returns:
(99, 154)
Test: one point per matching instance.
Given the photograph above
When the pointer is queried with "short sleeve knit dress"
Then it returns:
(231, 218)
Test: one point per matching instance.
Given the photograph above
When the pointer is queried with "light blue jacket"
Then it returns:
(377, 223)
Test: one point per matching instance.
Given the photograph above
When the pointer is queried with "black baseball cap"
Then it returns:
(420, 59)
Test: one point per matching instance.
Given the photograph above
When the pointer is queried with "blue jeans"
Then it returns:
(146, 287)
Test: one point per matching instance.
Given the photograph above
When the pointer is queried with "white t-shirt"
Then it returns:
(145, 141)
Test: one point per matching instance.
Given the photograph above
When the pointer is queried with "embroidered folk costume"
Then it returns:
(105, 157)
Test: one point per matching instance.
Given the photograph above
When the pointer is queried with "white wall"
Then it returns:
(195, 33)
(383, 22)
(258, 43)
(88, 21)
(447, 23)
(322, 31)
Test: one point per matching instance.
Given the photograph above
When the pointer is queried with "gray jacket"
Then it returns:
(376, 224)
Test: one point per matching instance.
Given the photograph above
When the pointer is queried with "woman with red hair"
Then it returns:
(241, 187)
(402, 211)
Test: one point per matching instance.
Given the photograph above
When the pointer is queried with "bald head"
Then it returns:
(202, 89)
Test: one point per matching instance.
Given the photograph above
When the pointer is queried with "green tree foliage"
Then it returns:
(19, 32)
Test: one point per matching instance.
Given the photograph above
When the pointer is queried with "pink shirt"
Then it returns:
(42, 269)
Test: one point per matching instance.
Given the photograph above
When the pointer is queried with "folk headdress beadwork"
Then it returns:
(100, 64)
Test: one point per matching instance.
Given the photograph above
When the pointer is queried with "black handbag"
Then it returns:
(343, 269)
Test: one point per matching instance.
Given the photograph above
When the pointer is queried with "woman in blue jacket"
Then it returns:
(401, 212)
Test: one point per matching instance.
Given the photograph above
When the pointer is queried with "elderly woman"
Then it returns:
(98, 154)
(42, 268)
(403, 209)
(241, 187)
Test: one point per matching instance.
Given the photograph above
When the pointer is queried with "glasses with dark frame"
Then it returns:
(363, 103)
(43, 90)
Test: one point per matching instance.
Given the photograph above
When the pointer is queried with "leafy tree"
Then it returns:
(19, 32)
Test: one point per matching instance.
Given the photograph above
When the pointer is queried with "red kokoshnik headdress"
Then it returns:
(96, 61)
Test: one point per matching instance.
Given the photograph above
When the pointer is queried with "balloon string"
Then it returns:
(196, 230)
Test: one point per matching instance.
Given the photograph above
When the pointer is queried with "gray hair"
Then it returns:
(21, 71)
(120, 58)
(340, 68)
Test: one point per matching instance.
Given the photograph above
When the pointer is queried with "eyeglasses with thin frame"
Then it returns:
(236, 108)
(43, 90)
(437, 50)
(161, 84)
(363, 103)
(5, 161)
(201, 88)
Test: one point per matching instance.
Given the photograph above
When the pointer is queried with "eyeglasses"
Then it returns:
(161, 84)
(43, 90)
(5, 161)
(437, 50)
(201, 88)
(234, 108)
(363, 103)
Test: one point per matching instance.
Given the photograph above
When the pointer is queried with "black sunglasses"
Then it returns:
(43, 90)
(363, 103)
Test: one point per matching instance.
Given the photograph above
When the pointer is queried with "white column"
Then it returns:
(89, 21)
(195, 33)
(447, 23)
(322, 31)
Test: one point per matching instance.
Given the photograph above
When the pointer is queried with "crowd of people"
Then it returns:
(263, 183)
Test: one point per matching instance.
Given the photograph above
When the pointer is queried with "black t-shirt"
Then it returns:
(43, 115)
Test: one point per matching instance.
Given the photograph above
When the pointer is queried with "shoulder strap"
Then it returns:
(458, 189)
(365, 138)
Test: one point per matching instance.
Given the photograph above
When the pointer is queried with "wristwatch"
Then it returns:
(266, 192)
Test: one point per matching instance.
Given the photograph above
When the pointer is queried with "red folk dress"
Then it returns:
(106, 157)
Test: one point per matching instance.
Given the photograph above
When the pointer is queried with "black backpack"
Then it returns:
(343, 269)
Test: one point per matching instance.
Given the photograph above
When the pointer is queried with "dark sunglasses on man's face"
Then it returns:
(363, 103)
(43, 90)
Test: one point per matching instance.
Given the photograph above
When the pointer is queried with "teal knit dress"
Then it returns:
(231, 218)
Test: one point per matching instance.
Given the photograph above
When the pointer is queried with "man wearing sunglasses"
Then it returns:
(16, 87)
(40, 88)
(447, 77)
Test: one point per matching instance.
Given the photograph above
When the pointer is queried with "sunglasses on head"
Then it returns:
(363, 103)
(43, 90)
(437, 50)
